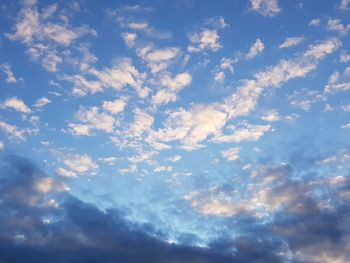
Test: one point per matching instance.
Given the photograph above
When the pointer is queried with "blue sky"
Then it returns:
(214, 124)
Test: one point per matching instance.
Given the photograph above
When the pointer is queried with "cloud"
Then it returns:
(255, 49)
(65, 173)
(245, 98)
(40, 218)
(158, 59)
(315, 22)
(291, 42)
(271, 116)
(336, 26)
(338, 82)
(80, 164)
(303, 99)
(42, 102)
(191, 127)
(265, 7)
(129, 39)
(231, 154)
(206, 39)
(10, 77)
(247, 133)
(12, 131)
(16, 104)
(175, 158)
(344, 5)
(44, 35)
(2, 146)
(94, 119)
(173, 86)
(115, 106)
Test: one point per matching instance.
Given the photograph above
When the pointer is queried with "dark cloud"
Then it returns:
(77, 231)
(41, 222)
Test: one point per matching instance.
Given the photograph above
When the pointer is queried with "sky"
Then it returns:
(175, 131)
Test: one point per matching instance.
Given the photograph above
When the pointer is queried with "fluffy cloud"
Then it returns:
(265, 7)
(173, 86)
(206, 39)
(16, 104)
(231, 154)
(255, 49)
(80, 164)
(158, 59)
(291, 42)
(94, 119)
(129, 39)
(344, 4)
(42, 34)
(191, 127)
(271, 116)
(115, 106)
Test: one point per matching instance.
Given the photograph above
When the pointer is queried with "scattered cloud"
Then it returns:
(42, 102)
(291, 42)
(15, 104)
(10, 77)
(265, 7)
(255, 49)
(231, 154)
(206, 39)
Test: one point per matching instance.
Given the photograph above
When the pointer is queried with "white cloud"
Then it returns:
(2, 145)
(191, 127)
(79, 129)
(129, 39)
(231, 154)
(115, 106)
(344, 5)
(12, 131)
(138, 26)
(158, 59)
(41, 102)
(10, 77)
(43, 34)
(347, 126)
(159, 169)
(65, 173)
(108, 160)
(80, 164)
(95, 120)
(255, 49)
(16, 104)
(175, 158)
(245, 98)
(205, 40)
(265, 7)
(164, 97)
(121, 74)
(248, 132)
(271, 116)
(338, 82)
(173, 85)
(303, 99)
(291, 42)
(337, 26)
(315, 22)
(344, 57)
